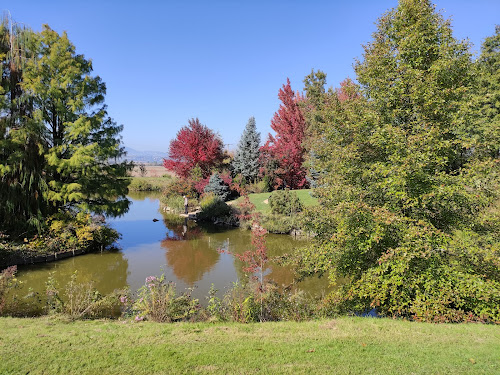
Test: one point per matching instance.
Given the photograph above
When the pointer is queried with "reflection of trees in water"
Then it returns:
(143, 195)
(192, 250)
(190, 259)
(240, 241)
(181, 228)
(107, 272)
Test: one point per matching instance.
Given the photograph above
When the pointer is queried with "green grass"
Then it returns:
(344, 346)
(259, 198)
(149, 183)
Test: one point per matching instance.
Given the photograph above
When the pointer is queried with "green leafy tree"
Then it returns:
(246, 159)
(407, 215)
(82, 145)
(487, 99)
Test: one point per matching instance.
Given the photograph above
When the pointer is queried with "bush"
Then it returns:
(275, 223)
(7, 282)
(174, 202)
(141, 184)
(83, 301)
(428, 277)
(285, 202)
(68, 231)
(159, 302)
(250, 303)
(258, 187)
(213, 207)
(180, 187)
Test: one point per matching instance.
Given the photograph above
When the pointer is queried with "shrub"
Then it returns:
(258, 187)
(428, 277)
(213, 207)
(285, 202)
(275, 223)
(174, 202)
(68, 231)
(83, 301)
(141, 184)
(180, 187)
(7, 282)
(253, 303)
(159, 302)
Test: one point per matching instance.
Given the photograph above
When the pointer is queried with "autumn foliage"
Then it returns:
(283, 154)
(194, 145)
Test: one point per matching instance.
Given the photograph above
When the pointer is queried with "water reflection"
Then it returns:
(185, 252)
(190, 259)
(107, 272)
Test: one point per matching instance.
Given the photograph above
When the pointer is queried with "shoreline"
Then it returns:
(21, 260)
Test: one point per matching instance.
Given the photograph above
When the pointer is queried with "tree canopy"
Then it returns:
(286, 147)
(407, 193)
(246, 159)
(195, 146)
(59, 148)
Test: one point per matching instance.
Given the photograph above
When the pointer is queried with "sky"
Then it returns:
(222, 61)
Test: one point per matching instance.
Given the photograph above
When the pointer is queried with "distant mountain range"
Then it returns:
(150, 157)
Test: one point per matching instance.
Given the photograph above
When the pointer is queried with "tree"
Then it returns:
(407, 214)
(246, 159)
(81, 142)
(22, 182)
(58, 147)
(217, 186)
(286, 146)
(487, 99)
(195, 145)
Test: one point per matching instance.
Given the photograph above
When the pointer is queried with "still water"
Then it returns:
(188, 254)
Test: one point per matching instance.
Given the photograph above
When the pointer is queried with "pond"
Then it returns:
(188, 254)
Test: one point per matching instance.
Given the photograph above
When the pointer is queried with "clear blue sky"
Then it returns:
(221, 61)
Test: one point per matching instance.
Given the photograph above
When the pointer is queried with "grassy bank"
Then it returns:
(149, 183)
(261, 205)
(346, 345)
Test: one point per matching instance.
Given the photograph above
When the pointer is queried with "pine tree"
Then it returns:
(246, 160)
(217, 186)
(58, 147)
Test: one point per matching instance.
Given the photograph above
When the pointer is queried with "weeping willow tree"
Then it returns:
(58, 146)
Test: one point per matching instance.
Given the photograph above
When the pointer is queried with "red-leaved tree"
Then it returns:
(348, 90)
(283, 153)
(194, 145)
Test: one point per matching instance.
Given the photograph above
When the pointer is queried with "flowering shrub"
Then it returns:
(159, 302)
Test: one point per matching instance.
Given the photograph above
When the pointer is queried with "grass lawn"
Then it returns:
(343, 346)
(258, 199)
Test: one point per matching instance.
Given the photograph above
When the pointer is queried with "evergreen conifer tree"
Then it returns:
(82, 143)
(58, 147)
(246, 160)
(217, 186)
